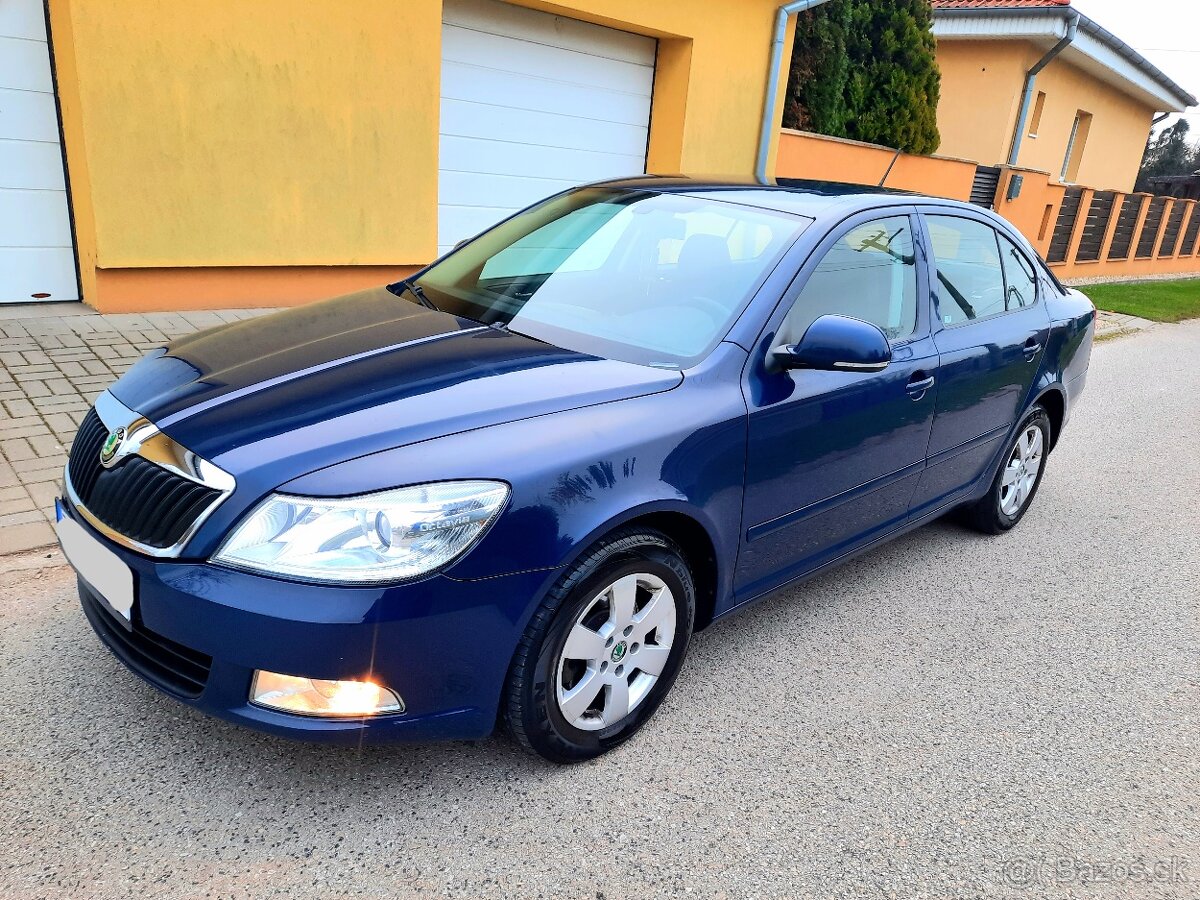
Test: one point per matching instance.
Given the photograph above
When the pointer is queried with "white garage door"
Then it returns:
(37, 260)
(533, 103)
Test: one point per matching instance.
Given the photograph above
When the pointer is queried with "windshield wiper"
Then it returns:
(417, 291)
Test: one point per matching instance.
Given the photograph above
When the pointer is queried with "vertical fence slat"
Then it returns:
(1126, 224)
(1191, 233)
(1170, 239)
(1064, 227)
(1094, 227)
(1148, 239)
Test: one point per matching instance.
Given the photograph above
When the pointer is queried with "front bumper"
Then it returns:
(199, 632)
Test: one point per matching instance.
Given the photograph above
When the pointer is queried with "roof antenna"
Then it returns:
(889, 169)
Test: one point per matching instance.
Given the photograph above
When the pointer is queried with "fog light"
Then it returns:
(317, 697)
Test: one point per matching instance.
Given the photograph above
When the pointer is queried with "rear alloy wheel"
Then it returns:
(603, 649)
(1017, 481)
(1021, 472)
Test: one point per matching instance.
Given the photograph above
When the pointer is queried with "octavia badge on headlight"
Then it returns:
(112, 444)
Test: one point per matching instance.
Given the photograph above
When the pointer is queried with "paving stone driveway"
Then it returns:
(54, 360)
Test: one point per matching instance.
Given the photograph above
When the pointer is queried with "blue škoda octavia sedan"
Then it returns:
(510, 488)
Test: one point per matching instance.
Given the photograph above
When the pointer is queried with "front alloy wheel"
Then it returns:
(603, 648)
(616, 651)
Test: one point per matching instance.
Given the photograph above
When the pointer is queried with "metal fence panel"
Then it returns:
(1098, 216)
(1064, 227)
(1193, 231)
(1174, 227)
(1122, 240)
(1150, 228)
(985, 185)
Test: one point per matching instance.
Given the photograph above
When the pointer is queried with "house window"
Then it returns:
(1079, 135)
(1035, 121)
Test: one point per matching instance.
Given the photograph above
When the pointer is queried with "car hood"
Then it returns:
(285, 394)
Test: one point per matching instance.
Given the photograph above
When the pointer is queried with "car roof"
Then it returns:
(815, 199)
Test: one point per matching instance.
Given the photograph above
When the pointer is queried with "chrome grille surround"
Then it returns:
(144, 439)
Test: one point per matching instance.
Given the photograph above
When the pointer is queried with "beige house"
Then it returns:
(1036, 84)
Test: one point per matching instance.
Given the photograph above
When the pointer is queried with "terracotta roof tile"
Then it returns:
(996, 4)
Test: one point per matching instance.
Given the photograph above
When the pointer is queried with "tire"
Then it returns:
(1000, 509)
(580, 640)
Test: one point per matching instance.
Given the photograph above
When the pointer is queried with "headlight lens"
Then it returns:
(368, 539)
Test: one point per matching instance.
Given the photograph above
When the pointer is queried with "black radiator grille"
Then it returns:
(136, 498)
(173, 667)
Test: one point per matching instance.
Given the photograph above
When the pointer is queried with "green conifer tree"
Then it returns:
(867, 70)
(820, 70)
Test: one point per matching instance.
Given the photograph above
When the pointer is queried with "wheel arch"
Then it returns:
(696, 539)
(1054, 401)
(699, 552)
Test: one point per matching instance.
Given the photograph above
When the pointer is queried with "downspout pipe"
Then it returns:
(1031, 80)
(778, 40)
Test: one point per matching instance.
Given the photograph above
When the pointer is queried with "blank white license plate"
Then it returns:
(98, 566)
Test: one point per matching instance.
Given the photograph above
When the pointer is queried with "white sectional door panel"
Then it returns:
(533, 103)
(37, 256)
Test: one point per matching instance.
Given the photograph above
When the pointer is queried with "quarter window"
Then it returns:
(869, 274)
(970, 276)
(1019, 276)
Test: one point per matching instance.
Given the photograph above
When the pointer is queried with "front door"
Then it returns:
(833, 457)
(990, 333)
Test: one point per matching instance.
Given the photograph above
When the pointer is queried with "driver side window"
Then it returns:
(869, 274)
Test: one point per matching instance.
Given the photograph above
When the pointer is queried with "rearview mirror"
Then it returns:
(837, 344)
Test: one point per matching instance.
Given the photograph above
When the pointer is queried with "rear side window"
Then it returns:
(970, 276)
(869, 274)
(1019, 276)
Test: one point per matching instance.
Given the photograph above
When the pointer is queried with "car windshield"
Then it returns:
(649, 278)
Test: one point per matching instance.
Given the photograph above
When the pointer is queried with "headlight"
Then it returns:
(368, 539)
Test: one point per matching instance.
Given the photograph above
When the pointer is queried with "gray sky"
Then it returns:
(1166, 32)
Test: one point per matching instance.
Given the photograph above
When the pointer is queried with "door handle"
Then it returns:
(918, 386)
(1032, 346)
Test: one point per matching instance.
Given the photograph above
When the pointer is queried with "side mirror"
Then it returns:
(837, 344)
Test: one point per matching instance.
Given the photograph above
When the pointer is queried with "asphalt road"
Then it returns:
(950, 716)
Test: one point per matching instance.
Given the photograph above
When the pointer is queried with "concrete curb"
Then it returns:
(1111, 325)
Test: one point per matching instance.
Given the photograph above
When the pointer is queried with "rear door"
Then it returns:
(990, 330)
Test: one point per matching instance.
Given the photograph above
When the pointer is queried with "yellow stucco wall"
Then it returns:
(1117, 138)
(981, 94)
(277, 134)
(255, 133)
(815, 156)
